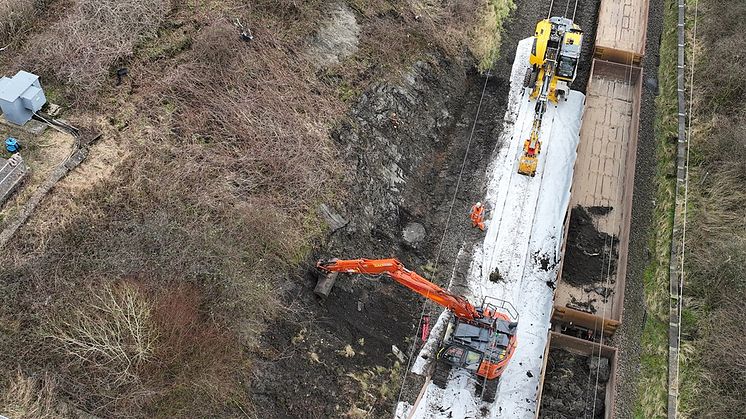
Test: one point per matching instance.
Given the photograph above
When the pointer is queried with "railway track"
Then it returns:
(519, 264)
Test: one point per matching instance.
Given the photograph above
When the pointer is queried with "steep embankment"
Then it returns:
(713, 369)
(219, 153)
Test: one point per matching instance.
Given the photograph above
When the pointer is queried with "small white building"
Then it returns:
(20, 97)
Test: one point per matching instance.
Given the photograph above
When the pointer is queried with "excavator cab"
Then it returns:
(480, 340)
(554, 58)
(483, 346)
(569, 56)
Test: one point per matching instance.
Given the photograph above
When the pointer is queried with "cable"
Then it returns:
(463, 165)
(686, 190)
(445, 231)
(629, 70)
(574, 10)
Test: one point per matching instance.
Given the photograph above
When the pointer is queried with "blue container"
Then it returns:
(11, 144)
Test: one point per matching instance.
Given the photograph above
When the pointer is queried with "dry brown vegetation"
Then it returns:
(16, 17)
(131, 348)
(92, 36)
(148, 299)
(30, 398)
(716, 245)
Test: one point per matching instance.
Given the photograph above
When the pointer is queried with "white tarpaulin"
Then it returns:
(524, 234)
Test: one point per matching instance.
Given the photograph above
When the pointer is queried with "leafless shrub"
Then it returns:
(112, 332)
(233, 155)
(258, 115)
(30, 398)
(80, 49)
(135, 348)
(194, 353)
(15, 16)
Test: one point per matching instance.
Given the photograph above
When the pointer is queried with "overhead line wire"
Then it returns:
(445, 231)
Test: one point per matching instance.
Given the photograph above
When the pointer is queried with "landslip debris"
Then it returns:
(591, 255)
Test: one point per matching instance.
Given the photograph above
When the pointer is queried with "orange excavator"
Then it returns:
(480, 339)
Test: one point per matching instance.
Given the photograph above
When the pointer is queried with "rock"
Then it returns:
(577, 407)
(337, 37)
(556, 404)
(332, 218)
(603, 291)
(601, 365)
(651, 83)
(495, 276)
(413, 233)
(398, 353)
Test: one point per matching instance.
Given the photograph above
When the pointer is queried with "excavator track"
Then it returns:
(440, 374)
(487, 389)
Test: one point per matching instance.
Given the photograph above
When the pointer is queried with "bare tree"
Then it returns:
(113, 332)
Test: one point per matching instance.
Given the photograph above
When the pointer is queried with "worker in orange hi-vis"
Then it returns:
(477, 216)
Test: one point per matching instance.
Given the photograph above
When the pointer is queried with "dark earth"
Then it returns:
(570, 386)
(400, 174)
(591, 255)
(334, 358)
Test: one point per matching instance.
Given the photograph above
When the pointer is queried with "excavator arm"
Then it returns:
(554, 63)
(396, 270)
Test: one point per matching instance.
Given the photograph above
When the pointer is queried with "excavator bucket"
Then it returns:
(531, 149)
(527, 165)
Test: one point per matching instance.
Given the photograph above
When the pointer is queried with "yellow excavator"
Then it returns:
(554, 65)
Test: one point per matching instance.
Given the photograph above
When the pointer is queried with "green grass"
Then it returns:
(653, 361)
(485, 43)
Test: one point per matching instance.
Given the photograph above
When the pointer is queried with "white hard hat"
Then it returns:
(479, 204)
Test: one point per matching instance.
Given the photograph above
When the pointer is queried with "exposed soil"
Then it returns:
(545, 262)
(570, 386)
(406, 144)
(495, 276)
(599, 210)
(404, 172)
(591, 255)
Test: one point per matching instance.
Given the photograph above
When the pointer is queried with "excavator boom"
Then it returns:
(396, 270)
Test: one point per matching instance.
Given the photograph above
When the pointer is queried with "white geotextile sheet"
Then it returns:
(525, 228)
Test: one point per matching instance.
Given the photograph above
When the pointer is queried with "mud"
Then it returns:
(599, 210)
(570, 386)
(405, 144)
(495, 276)
(544, 261)
(591, 255)
(401, 174)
